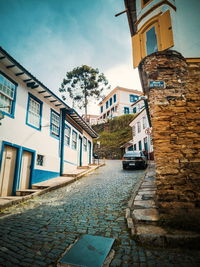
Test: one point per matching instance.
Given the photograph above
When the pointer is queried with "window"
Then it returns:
(40, 160)
(34, 112)
(130, 148)
(106, 104)
(133, 98)
(7, 95)
(55, 124)
(133, 130)
(135, 146)
(67, 135)
(134, 110)
(140, 145)
(144, 122)
(85, 144)
(151, 41)
(114, 98)
(145, 144)
(126, 110)
(155, 35)
(138, 127)
(74, 140)
(110, 101)
(101, 109)
(145, 2)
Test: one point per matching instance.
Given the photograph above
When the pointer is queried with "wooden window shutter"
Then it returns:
(136, 50)
(166, 32)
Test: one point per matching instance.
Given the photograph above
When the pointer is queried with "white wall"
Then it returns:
(140, 136)
(16, 130)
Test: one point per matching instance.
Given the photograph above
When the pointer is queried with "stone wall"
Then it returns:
(175, 115)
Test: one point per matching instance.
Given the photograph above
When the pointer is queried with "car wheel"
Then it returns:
(124, 167)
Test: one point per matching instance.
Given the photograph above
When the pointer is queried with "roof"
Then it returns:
(33, 83)
(118, 88)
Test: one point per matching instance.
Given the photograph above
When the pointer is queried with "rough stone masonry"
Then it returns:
(175, 115)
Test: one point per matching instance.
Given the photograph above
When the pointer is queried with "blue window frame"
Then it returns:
(140, 145)
(106, 104)
(126, 110)
(133, 98)
(110, 101)
(101, 109)
(7, 95)
(55, 124)
(134, 110)
(67, 135)
(85, 144)
(34, 112)
(114, 98)
(74, 139)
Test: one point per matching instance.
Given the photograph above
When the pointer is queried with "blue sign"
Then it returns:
(156, 84)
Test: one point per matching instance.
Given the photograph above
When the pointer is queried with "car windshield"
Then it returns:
(133, 154)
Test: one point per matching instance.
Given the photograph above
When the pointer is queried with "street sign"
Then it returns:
(156, 84)
(148, 131)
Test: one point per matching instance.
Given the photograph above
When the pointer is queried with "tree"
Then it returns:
(84, 83)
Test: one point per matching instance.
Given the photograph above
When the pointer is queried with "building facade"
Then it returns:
(118, 102)
(142, 139)
(40, 136)
(91, 119)
(165, 38)
(157, 25)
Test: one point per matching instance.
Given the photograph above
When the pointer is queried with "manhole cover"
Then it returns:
(88, 251)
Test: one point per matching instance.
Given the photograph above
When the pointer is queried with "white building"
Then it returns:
(141, 129)
(118, 102)
(157, 25)
(91, 119)
(40, 136)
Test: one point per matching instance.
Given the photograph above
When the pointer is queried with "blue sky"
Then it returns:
(51, 37)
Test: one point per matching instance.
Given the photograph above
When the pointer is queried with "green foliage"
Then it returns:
(82, 84)
(112, 135)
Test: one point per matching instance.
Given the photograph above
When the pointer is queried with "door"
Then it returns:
(89, 151)
(80, 151)
(8, 170)
(25, 170)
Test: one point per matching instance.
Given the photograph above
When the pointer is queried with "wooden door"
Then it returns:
(25, 170)
(8, 171)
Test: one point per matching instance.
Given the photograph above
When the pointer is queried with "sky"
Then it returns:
(51, 37)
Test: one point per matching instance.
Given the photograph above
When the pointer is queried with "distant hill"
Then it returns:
(112, 135)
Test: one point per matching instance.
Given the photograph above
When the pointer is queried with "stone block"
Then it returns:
(146, 215)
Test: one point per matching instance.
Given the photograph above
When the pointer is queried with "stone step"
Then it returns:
(26, 192)
(83, 167)
(35, 186)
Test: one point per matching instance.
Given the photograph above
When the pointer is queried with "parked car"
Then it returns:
(134, 159)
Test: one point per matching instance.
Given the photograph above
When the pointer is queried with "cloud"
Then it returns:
(125, 76)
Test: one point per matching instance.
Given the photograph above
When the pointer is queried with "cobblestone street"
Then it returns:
(37, 232)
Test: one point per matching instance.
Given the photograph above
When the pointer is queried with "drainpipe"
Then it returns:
(62, 136)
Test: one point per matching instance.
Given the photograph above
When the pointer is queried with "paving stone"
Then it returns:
(47, 225)
(144, 203)
(150, 215)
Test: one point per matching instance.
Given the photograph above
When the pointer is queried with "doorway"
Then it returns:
(9, 169)
(80, 151)
(26, 170)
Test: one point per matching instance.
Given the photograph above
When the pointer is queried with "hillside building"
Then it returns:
(118, 102)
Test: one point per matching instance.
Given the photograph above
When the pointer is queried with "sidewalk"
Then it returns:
(47, 186)
(142, 217)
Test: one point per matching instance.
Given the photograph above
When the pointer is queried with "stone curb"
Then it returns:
(150, 234)
(46, 190)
